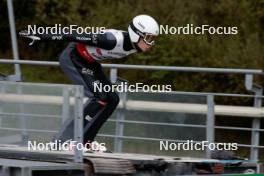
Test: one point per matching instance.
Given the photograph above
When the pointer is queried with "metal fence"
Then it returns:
(31, 112)
(210, 112)
(207, 107)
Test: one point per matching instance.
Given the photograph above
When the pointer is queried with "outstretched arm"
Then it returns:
(106, 40)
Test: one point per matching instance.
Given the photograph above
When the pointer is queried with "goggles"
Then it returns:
(149, 39)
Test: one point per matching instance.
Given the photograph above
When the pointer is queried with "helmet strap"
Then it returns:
(138, 32)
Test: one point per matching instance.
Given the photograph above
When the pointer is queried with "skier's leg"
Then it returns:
(100, 104)
(108, 101)
(67, 62)
(91, 129)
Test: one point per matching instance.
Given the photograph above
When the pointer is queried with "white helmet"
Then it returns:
(143, 26)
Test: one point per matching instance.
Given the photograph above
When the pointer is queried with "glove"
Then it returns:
(26, 34)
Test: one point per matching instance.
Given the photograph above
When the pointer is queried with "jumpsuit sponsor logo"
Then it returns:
(87, 71)
(84, 38)
(117, 53)
(94, 39)
(57, 37)
(99, 51)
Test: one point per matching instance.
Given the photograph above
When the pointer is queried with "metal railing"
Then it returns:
(25, 101)
(210, 120)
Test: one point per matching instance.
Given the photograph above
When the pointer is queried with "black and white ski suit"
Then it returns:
(80, 61)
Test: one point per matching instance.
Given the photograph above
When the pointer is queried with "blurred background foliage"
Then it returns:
(244, 50)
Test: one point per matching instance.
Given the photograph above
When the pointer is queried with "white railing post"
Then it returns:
(78, 123)
(12, 26)
(210, 123)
